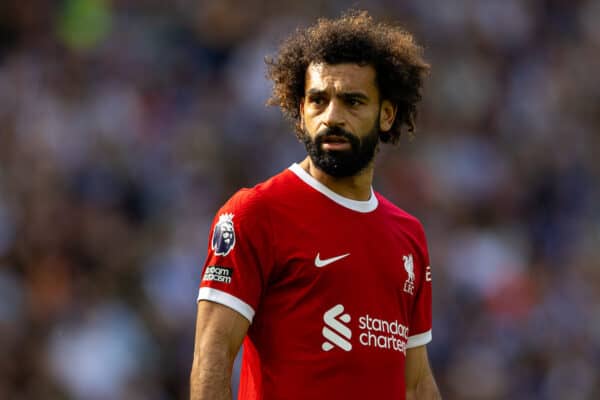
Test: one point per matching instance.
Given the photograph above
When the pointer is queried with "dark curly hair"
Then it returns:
(352, 38)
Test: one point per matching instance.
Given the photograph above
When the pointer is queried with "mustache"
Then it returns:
(335, 131)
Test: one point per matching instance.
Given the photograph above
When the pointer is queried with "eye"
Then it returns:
(317, 100)
(354, 102)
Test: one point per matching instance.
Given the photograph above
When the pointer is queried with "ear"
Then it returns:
(301, 108)
(387, 115)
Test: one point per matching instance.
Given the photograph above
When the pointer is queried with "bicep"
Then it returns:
(417, 366)
(219, 329)
(219, 334)
(420, 383)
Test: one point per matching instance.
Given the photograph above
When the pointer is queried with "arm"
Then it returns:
(419, 378)
(219, 334)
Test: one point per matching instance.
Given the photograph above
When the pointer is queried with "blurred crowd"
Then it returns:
(125, 124)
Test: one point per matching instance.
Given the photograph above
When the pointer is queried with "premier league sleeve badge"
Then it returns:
(223, 238)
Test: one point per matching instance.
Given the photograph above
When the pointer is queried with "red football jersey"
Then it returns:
(335, 289)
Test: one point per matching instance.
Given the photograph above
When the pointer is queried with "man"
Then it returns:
(326, 281)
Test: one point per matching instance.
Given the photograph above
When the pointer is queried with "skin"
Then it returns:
(219, 335)
(420, 383)
(344, 95)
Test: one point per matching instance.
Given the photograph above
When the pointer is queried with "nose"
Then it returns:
(334, 114)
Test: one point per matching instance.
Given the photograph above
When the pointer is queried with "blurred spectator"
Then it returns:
(124, 124)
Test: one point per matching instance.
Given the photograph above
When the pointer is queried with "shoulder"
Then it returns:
(396, 213)
(398, 217)
(258, 200)
(406, 225)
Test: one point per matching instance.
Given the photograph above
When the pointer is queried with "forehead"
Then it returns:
(341, 77)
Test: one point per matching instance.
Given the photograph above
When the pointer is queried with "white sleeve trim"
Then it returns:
(419, 340)
(218, 296)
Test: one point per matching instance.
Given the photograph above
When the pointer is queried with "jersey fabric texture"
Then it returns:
(335, 289)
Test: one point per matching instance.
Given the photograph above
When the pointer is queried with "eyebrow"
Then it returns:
(314, 92)
(346, 95)
(354, 95)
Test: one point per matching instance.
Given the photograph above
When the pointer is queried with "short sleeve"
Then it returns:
(239, 257)
(420, 322)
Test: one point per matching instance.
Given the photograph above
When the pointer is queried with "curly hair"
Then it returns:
(352, 38)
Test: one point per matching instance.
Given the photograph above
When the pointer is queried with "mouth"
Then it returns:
(335, 143)
(334, 139)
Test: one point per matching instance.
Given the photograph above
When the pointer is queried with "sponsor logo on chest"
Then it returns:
(371, 332)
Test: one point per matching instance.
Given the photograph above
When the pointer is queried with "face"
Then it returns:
(342, 116)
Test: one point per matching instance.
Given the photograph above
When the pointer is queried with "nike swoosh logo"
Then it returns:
(321, 263)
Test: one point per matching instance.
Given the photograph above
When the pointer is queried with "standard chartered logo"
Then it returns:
(375, 332)
(372, 332)
(334, 331)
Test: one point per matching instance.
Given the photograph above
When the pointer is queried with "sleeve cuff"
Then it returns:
(419, 339)
(218, 296)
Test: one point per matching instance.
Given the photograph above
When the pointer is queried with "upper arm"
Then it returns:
(416, 365)
(420, 383)
(239, 255)
(238, 262)
(421, 317)
(219, 332)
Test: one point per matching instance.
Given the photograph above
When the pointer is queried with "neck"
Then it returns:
(356, 187)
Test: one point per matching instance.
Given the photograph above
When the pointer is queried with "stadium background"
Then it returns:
(124, 124)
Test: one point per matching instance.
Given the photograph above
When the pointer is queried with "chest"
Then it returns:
(367, 261)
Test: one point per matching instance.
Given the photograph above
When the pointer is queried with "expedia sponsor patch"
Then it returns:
(216, 273)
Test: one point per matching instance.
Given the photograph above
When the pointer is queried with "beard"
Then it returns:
(342, 163)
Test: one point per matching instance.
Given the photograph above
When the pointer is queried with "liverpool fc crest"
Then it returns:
(409, 284)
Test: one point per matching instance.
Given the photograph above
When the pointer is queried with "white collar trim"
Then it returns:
(355, 205)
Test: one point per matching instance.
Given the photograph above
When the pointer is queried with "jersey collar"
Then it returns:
(355, 205)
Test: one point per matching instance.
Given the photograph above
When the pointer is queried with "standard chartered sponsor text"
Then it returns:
(382, 334)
